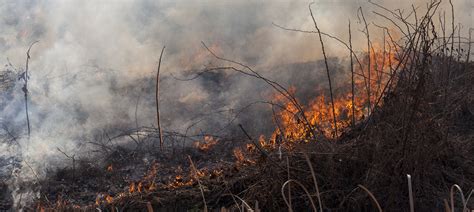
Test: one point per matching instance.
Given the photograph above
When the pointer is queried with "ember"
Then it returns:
(110, 168)
(205, 145)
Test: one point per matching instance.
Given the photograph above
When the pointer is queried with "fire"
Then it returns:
(266, 143)
(293, 126)
(250, 148)
(109, 199)
(110, 168)
(131, 188)
(206, 144)
(101, 198)
(240, 157)
(217, 172)
(238, 154)
(150, 176)
(147, 183)
(152, 186)
(140, 187)
(136, 187)
(179, 182)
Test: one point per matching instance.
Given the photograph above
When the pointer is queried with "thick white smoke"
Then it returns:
(90, 66)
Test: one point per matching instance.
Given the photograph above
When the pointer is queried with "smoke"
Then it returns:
(96, 62)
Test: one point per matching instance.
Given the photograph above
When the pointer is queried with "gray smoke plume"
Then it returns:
(95, 64)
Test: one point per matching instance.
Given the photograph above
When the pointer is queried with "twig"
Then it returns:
(372, 197)
(244, 203)
(199, 182)
(410, 194)
(327, 70)
(157, 99)
(149, 206)
(279, 137)
(289, 187)
(325, 34)
(352, 77)
(264, 153)
(464, 203)
(315, 181)
(279, 88)
(25, 87)
(468, 49)
(304, 189)
(73, 162)
(368, 59)
(32, 170)
(452, 27)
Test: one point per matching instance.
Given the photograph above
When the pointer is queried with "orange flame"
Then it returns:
(131, 188)
(109, 199)
(152, 186)
(241, 158)
(206, 144)
(319, 111)
(110, 168)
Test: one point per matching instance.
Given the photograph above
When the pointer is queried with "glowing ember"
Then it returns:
(217, 173)
(206, 144)
(109, 199)
(139, 187)
(110, 168)
(238, 154)
(240, 157)
(131, 188)
(152, 186)
(179, 182)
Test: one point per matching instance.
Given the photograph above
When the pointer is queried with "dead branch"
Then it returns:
(318, 194)
(329, 36)
(25, 87)
(262, 151)
(352, 77)
(327, 71)
(199, 182)
(73, 158)
(157, 99)
(367, 34)
(279, 88)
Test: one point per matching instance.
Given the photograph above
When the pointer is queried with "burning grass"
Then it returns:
(406, 111)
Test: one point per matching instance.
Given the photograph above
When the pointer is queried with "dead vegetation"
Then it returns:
(406, 144)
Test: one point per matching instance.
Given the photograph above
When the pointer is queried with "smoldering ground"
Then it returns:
(93, 69)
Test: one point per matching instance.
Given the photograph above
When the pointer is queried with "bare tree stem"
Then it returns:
(25, 88)
(327, 71)
(157, 99)
(368, 61)
(352, 77)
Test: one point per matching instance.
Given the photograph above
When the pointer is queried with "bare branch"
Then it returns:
(157, 99)
(327, 71)
(25, 87)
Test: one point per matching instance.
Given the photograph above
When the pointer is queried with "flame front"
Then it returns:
(295, 126)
